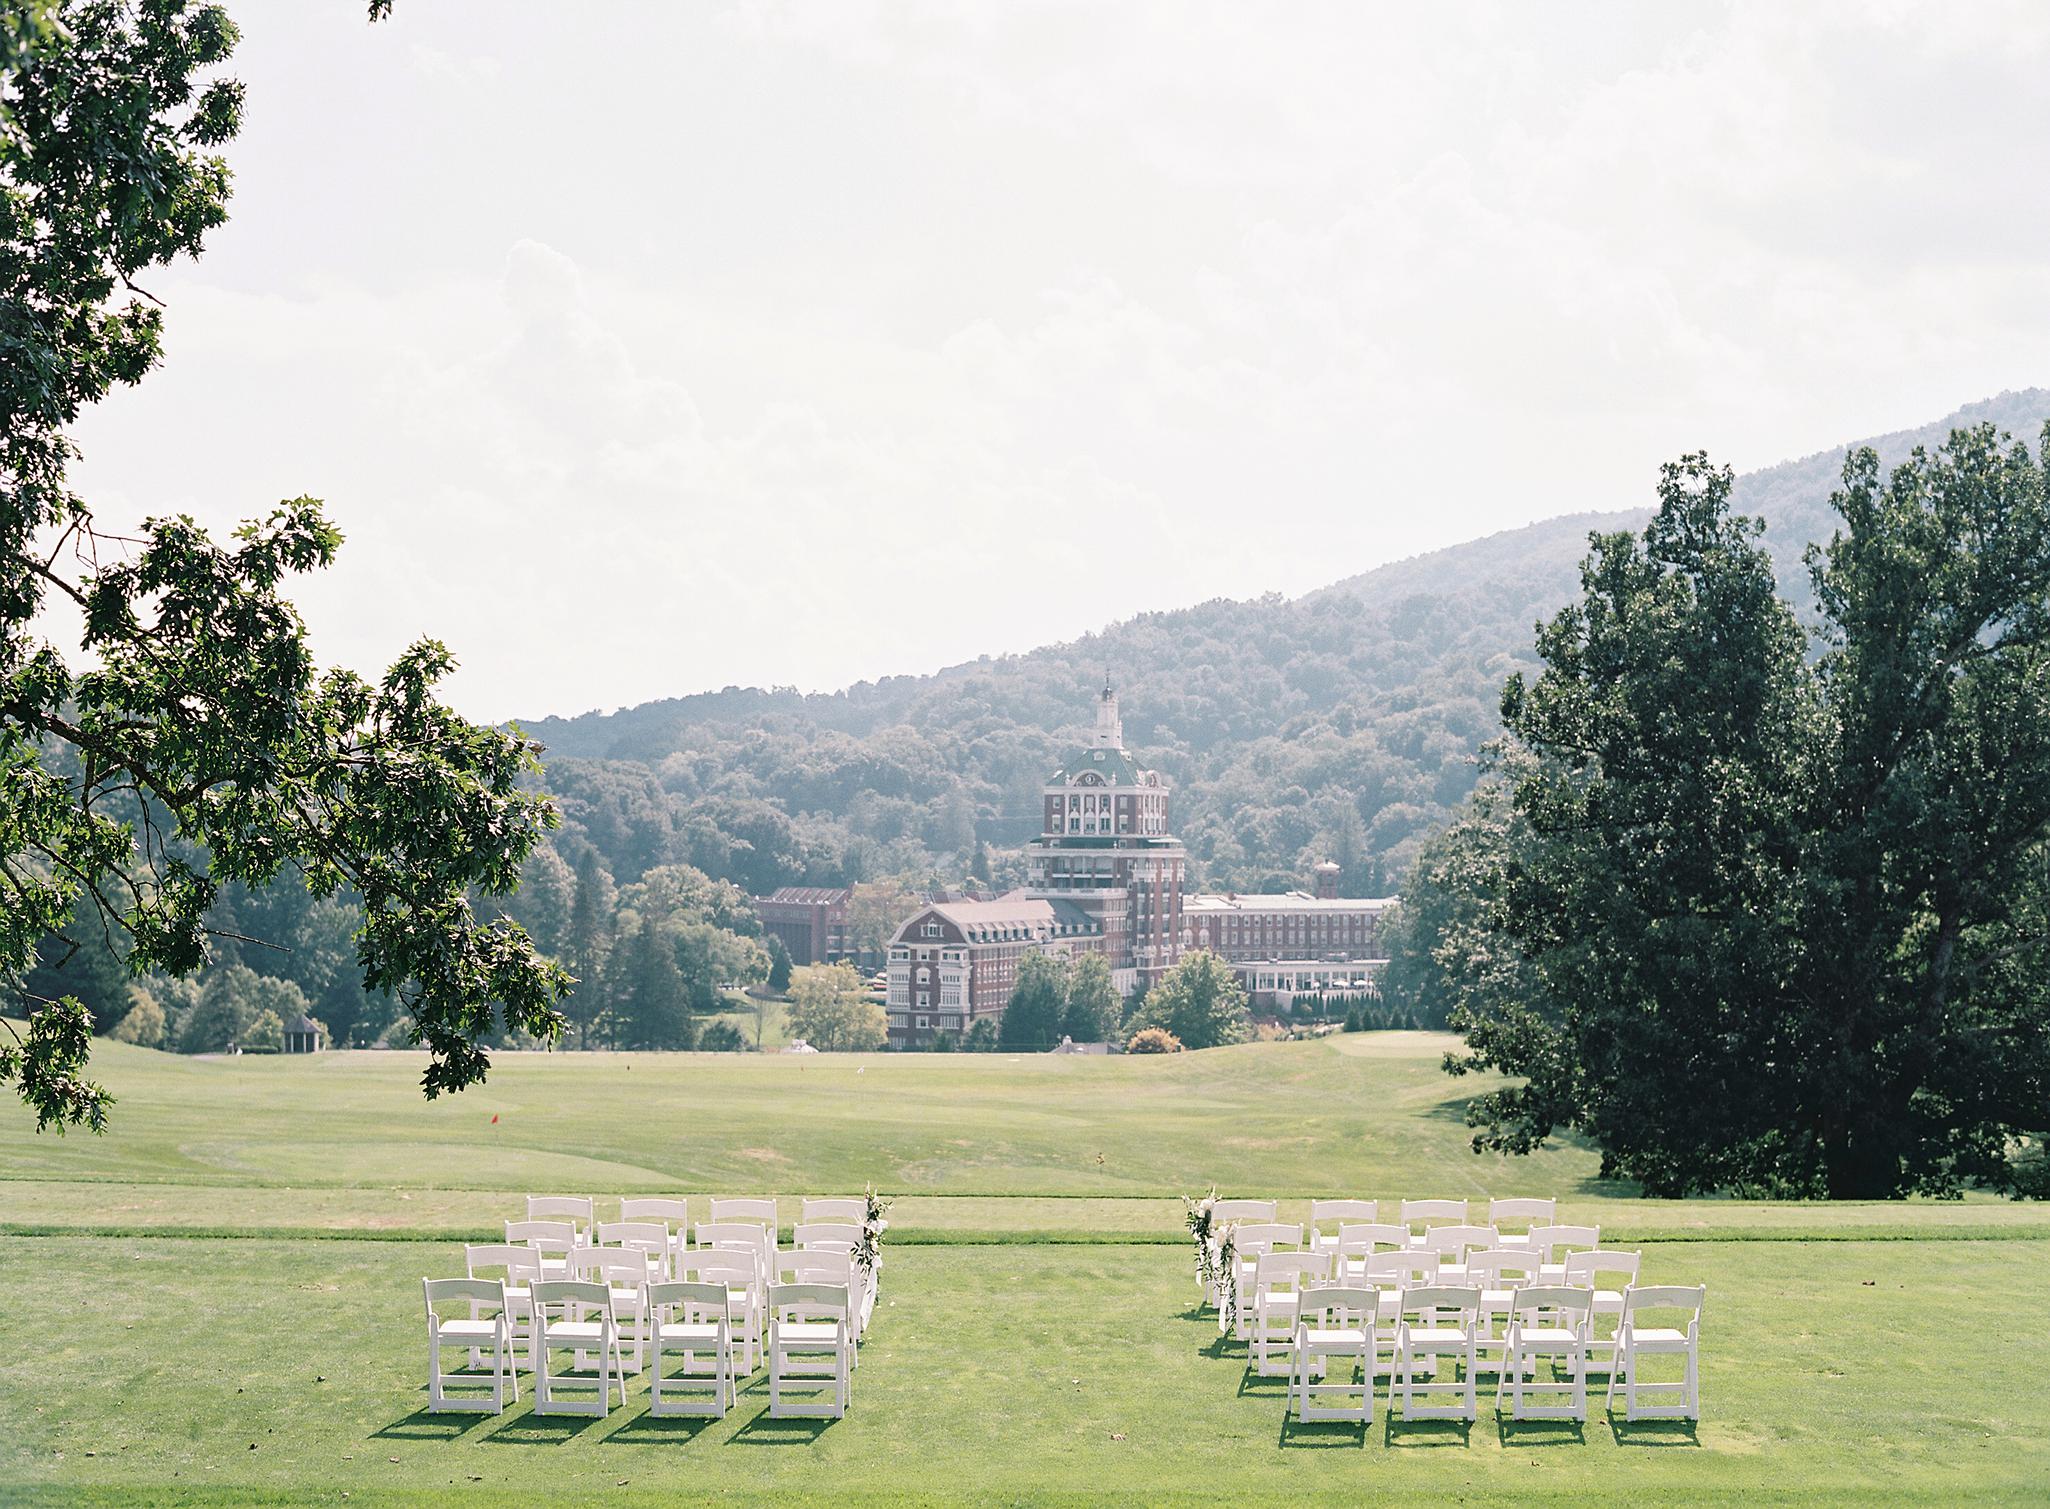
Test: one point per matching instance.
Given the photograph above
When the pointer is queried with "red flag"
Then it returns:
(494, 1119)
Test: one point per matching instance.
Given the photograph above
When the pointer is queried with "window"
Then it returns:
(925, 1021)
(924, 999)
(931, 930)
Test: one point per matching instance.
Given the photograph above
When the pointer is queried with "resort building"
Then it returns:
(810, 921)
(956, 961)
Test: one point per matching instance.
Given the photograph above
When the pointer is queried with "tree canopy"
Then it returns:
(831, 1010)
(1761, 910)
(1199, 1002)
(189, 741)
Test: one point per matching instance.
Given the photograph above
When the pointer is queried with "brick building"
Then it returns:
(954, 962)
(809, 920)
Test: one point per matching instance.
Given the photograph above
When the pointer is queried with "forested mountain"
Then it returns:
(1343, 722)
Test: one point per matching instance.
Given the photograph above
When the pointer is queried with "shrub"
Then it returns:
(1154, 1040)
(722, 1037)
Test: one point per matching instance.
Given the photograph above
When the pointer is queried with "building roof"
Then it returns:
(807, 895)
(979, 921)
(306, 1025)
(1116, 767)
(1286, 901)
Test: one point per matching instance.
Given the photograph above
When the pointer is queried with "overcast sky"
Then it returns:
(645, 348)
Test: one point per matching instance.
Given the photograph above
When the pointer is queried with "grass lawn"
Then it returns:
(199, 1314)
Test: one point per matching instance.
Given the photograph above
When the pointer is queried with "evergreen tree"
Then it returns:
(648, 1005)
(590, 943)
(1039, 997)
(779, 966)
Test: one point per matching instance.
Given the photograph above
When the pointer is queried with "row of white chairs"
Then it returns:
(1550, 1328)
(810, 1345)
(582, 1210)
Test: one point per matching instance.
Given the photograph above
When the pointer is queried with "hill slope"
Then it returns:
(1342, 722)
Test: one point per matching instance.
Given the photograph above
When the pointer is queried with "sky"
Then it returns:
(641, 349)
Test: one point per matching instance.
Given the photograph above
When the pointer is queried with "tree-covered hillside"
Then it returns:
(1342, 723)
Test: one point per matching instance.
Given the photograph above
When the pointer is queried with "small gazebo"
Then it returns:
(305, 1036)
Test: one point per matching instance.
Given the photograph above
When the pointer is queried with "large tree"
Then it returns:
(1199, 1001)
(1093, 1011)
(188, 738)
(1039, 996)
(830, 1010)
(1766, 914)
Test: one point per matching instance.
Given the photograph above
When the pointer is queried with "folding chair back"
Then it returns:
(811, 1347)
(1334, 1335)
(563, 1321)
(739, 1271)
(576, 1209)
(1452, 1242)
(760, 1209)
(834, 1208)
(1402, 1268)
(1254, 1237)
(1433, 1213)
(1242, 1210)
(1522, 1212)
(1435, 1321)
(837, 1236)
(1329, 1217)
(1554, 1242)
(691, 1320)
(650, 1238)
(676, 1212)
(814, 1266)
(553, 1241)
(1548, 1323)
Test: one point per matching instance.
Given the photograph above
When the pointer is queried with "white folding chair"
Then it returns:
(841, 1236)
(851, 1209)
(1636, 1341)
(624, 1273)
(691, 1321)
(649, 1238)
(553, 1241)
(578, 1210)
(1252, 1241)
(1524, 1212)
(518, 1267)
(1554, 1243)
(1498, 1273)
(1328, 1219)
(738, 1271)
(1390, 1273)
(1547, 1324)
(575, 1316)
(1434, 1321)
(1278, 1281)
(1432, 1213)
(1225, 1212)
(1608, 1274)
(811, 1349)
(475, 1332)
(1334, 1329)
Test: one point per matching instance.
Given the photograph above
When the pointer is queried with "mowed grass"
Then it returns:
(197, 1313)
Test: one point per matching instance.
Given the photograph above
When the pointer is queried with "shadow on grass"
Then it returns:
(649, 1430)
(1540, 1432)
(1250, 1382)
(432, 1425)
(1412, 1434)
(542, 1430)
(792, 1430)
(1655, 1432)
(1322, 1435)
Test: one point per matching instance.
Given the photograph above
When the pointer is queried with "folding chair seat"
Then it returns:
(649, 1238)
(691, 1321)
(1636, 1341)
(624, 1273)
(1498, 1273)
(811, 1348)
(1547, 1324)
(1278, 1281)
(1334, 1329)
(1452, 1243)
(852, 1209)
(1608, 1274)
(554, 1241)
(1328, 1219)
(738, 1271)
(1357, 1242)
(1431, 1213)
(575, 1316)
(578, 1210)
(475, 1332)
(1554, 1243)
(1524, 1212)
(1434, 1321)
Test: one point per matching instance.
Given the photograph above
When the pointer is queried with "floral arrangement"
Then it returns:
(868, 1251)
(1217, 1268)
